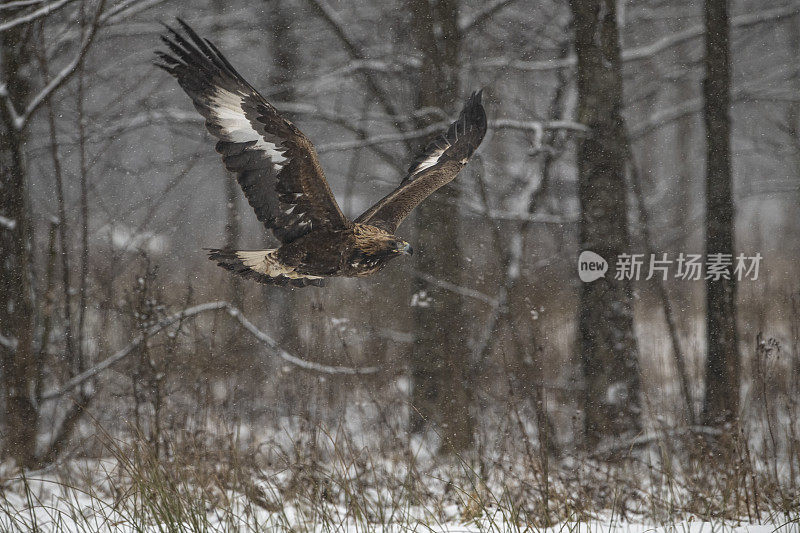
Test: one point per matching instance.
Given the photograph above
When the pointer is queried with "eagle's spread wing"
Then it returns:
(438, 165)
(275, 164)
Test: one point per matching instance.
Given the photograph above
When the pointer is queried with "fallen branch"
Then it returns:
(191, 312)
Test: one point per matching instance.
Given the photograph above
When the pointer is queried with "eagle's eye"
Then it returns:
(402, 247)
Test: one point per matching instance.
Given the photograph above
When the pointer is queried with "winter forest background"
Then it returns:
(479, 382)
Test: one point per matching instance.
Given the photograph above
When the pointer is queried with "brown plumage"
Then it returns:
(278, 170)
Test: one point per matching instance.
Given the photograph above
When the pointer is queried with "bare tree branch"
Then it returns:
(283, 354)
(649, 50)
(179, 116)
(125, 9)
(19, 4)
(468, 23)
(331, 17)
(672, 114)
(538, 126)
(458, 289)
(381, 139)
(500, 214)
(191, 312)
(33, 15)
(533, 126)
(64, 75)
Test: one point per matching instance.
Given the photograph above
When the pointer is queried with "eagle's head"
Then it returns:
(386, 247)
(402, 247)
(374, 247)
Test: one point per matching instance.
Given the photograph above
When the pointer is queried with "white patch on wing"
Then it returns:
(429, 161)
(227, 108)
(266, 262)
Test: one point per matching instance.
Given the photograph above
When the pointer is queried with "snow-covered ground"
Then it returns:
(86, 502)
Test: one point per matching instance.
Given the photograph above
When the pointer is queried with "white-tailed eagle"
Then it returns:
(277, 168)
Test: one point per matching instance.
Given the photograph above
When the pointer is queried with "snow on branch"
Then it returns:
(191, 312)
(9, 343)
(8, 223)
(33, 15)
(538, 126)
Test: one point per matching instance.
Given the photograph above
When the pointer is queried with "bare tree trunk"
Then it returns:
(685, 139)
(608, 347)
(18, 361)
(722, 363)
(439, 362)
(791, 221)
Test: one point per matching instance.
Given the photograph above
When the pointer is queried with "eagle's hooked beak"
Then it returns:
(404, 248)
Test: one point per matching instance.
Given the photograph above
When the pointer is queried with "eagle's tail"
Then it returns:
(262, 266)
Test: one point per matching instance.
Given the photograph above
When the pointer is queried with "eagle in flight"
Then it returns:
(278, 170)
